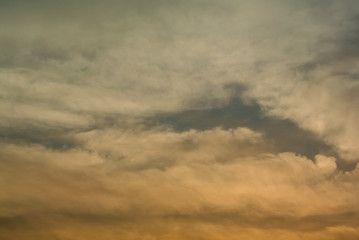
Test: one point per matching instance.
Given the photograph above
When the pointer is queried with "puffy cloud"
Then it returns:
(161, 182)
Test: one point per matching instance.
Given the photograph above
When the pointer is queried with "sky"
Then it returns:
(168, 119)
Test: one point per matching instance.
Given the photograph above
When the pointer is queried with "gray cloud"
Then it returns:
(179, 120)
(283, 135)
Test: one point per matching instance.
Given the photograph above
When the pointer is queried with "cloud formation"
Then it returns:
(179, 120)
(156, 180)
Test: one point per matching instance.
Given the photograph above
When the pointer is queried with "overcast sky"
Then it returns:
(181, 120)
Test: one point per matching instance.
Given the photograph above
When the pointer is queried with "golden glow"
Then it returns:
(179, 120)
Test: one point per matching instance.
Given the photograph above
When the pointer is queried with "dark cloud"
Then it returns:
(337, 48)
(282, 135)
(59, 139)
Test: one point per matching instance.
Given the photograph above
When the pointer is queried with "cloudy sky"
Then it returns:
(180, 120)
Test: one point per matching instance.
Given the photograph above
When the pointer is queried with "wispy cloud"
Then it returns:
(179, 120)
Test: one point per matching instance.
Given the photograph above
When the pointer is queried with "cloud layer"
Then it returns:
(161, 182)
(179, 120)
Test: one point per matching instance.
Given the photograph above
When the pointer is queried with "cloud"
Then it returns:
(178, 120)
(142, 59)
(317, 102)
(137, 179)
